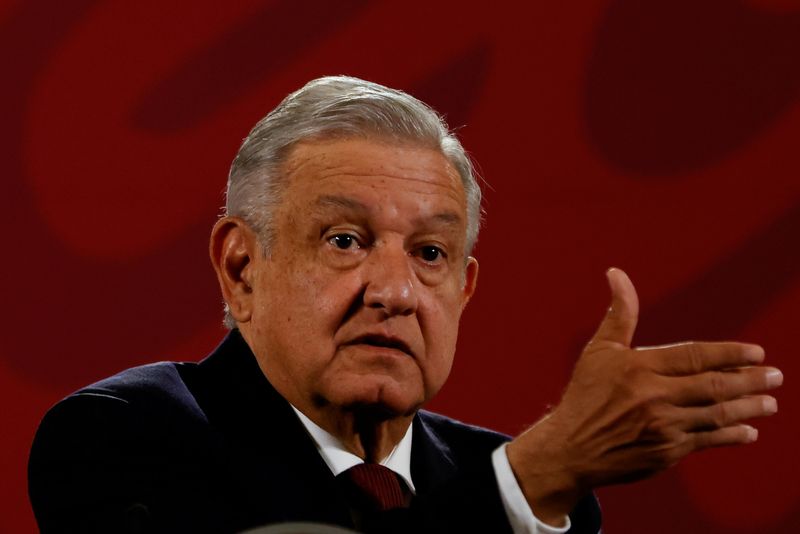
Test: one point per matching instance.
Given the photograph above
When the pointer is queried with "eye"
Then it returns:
(432, 254)
(343, 241)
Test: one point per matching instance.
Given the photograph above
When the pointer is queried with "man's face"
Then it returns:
(359, 300)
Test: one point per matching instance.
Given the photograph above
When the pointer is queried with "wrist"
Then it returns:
(543, 474)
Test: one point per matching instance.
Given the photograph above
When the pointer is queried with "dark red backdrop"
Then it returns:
(657, 136)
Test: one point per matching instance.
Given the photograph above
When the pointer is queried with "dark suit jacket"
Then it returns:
(212, 447)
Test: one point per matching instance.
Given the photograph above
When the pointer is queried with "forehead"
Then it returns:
(354, 166)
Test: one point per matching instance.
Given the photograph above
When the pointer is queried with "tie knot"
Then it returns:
(378, 485)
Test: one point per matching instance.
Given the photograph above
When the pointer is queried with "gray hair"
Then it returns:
(336, 107)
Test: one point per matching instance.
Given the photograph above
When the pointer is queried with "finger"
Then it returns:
(730, 435)
(724, 414)
(619, 323)
(666, 454)
(718, 386)
(693, 358)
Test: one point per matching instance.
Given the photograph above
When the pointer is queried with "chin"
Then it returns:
(380, 398)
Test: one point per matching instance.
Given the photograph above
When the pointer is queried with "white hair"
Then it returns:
(336, 107)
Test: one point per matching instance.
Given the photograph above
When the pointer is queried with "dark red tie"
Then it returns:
(378, 484)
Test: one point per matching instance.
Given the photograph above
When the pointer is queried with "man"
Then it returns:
(344, 262)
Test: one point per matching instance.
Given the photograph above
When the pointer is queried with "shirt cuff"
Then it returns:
(516, 506)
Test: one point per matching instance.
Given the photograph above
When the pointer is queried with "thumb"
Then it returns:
(619, 323)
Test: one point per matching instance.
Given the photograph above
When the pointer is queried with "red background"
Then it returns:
(657, 136)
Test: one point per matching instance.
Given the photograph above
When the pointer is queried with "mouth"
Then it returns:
(378, 340)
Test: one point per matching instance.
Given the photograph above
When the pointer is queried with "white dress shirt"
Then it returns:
(520, 515)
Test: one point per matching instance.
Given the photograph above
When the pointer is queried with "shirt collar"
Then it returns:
(339, 459)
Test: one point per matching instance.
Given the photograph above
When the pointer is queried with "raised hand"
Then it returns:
(630, 412)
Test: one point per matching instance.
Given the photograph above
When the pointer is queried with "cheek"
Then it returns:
(333, 294)
(315, 301)
(444, 306)
(439, 322)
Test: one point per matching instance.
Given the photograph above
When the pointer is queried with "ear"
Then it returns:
(233, 248)
(470, 280)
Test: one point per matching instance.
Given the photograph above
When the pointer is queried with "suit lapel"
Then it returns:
(273, 463)
(432, 462)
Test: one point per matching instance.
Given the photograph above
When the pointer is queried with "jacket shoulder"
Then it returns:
(457, 434)
(151, 392)
(162, 379)
(100, 454)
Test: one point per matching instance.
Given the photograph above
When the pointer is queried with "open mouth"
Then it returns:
(377, 340)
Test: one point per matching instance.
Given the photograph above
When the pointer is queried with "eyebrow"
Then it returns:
(336, 201)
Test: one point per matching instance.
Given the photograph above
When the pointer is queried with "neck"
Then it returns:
(367, 434)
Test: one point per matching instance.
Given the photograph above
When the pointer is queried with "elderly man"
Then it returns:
(344, 262)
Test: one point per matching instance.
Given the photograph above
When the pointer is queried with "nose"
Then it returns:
(390, 281)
